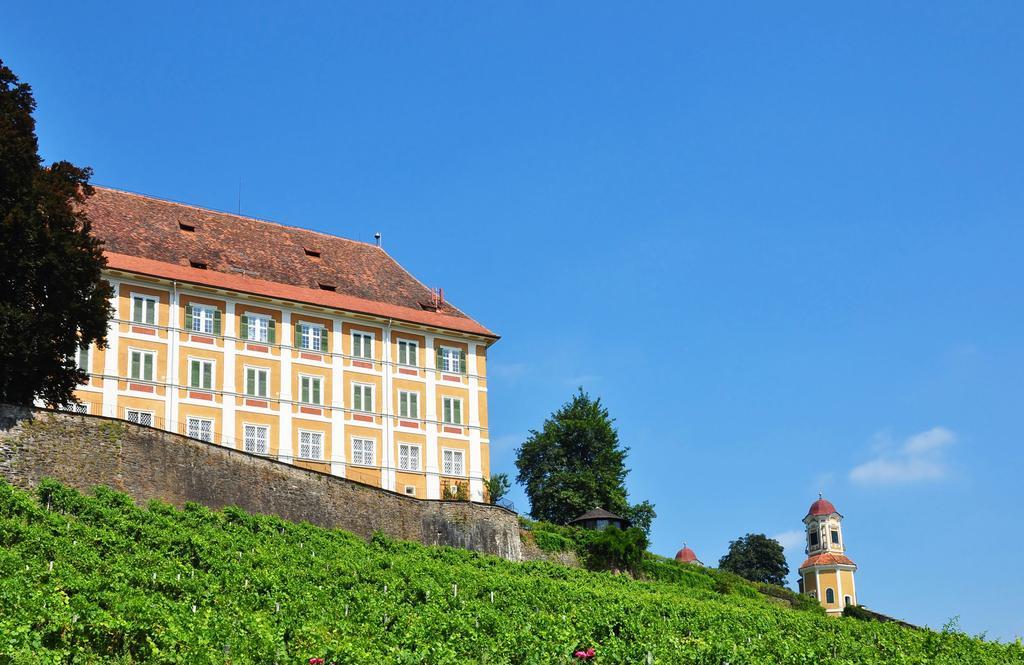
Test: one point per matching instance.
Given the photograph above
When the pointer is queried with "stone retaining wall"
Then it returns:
(83, 451)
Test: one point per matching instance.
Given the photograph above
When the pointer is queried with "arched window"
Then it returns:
(847, 601)
(830, 596)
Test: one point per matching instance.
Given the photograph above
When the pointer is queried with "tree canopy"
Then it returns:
(574, 463)
(52, 297)
(757, 558)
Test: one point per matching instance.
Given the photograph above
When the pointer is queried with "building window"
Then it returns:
(200, 374)
(812, 538)
(408, 404)
(362, 345)
(835, 537)
(139, 417)
(257, 328)
(202, 319)
(76, 407)
(408, 457)
(847, 601)
(451, 411)
(453, 462)
(309, 389)
(830, 596)
(410, 490)
(82, 358)
(256, 381)
(407, 351)
(310, 336)
(144, 309)
(362, 397)
(451, 360)
(200, 428)
(257, 439)
(311, 445)
(363, 451)
(141, 365)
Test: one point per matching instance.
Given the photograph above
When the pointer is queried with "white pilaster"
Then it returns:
(284, 439)
(476, 485)
(228, 382)
(112, 352)
(388, 475)
(337, 401)
(430, 459)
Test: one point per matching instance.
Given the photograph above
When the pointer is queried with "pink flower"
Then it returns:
(316, 661)
(585, 654)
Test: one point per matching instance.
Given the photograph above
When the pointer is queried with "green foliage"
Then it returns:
(497, 487)
(757, 558)
(99, 579)
(52, 297)
(549, 541)
(574, 463)
(617, 549)
(858, 612)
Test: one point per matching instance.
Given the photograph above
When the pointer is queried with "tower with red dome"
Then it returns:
(827, 574)
(686, 555)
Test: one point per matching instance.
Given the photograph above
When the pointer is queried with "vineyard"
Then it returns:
(96, 578)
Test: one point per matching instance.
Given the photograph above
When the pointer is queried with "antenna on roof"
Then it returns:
(376, 236)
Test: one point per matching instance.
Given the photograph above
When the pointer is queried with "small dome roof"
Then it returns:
(686, 555)
(822, 507)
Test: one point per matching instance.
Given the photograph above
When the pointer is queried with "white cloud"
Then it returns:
(790, 540)
(920, 457)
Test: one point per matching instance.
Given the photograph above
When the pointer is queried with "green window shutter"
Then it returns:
(446, 410)
(414, 405)
(316, 391)
(243, 327)
(324, 344)
(440, 358)
(264, 376)
(457, 406)
(272, 331)
(357, 399)
(188, 317)
(462, 362)
(150, 311)
(403, 404)
(209, 376)
(148, 367)
(195, 373)
(303, 389)
(216, 322)
(136, 371)
(297, 329)
(250, 382)
(412, 353)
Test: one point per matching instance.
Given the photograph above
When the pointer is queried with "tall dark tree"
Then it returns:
(575, 463)
(757, 558)
(52, 297)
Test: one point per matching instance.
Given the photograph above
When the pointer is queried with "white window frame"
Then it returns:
(203, 317)
(448, 410)
(307, 336)
(76, 407)
(147, 301)
(411, 397)
(362, 406)
(207, 362)
(450, 357)
(82, 357)
(138, 415)
(310, 435)
(460, 469)
(364, 445)
(254, 448)
(408, 449)
(256, 384)
(365, 345)
(311, 378)
(142, 364)
(199, 422)
(407, 346)
(257, 328)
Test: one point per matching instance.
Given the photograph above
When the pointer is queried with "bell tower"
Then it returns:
(827, 574)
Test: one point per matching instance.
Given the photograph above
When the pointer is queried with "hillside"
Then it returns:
(97, 578)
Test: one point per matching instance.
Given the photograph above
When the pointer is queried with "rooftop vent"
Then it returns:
(188, 228)
(328, 287)
(197, 264)
(314, 253)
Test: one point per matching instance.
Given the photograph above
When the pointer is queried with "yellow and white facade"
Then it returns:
(399, 404)
(827, 574)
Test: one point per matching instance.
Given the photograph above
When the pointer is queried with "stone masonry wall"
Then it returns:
(83, 451)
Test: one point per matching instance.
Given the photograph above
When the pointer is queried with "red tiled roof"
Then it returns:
(826, 560)
(151, 236)
(686, 555)
(822, 507)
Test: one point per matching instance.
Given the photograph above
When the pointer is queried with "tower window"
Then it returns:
(835, 537)
(830, 596)
(847, 601)
(812, 537)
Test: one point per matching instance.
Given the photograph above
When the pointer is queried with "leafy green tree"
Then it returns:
(497, 487)
(574, 463)
(617, 548)
(52, 297)
(757, 558)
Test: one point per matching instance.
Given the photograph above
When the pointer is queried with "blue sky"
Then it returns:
(783, 246)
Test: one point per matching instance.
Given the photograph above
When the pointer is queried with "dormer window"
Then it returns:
(835, 536)
(199, 265)
(327, 287)
(812, 538)
(312, 253)
(187, 228)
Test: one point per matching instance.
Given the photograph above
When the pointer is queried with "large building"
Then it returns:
(827, 573)
(308, 348)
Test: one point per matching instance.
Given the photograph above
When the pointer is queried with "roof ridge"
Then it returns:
(239, 216)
